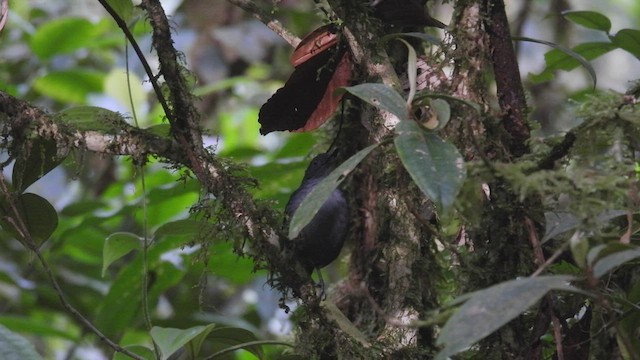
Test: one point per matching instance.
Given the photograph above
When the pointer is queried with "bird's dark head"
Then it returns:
(321, 166)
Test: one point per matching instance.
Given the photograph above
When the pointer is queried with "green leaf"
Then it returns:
(489, 309)
(186, 228)
(82, 207)
(333, 313)
(70, 86)
(15, 347)
(317, 197)
(128, 91)
(124, 8)
(424, 98)
(442, 112)
(412, 70)
(233, 337)
(118, 245)
(589, 19)
(143, 351)
(37, 326)
(170, 340)
(37, 214)
(607, 263)
(92, 118)
(628, 40)
(381, 96)
(36, 160)
(579, 245)
(562, 58)
(560, 222)
(434, 165)
(64, 35)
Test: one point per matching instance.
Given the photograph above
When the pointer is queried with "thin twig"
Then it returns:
(30, 243)
(551, 259)
(152, 77)
(271, 23)
(245, 345)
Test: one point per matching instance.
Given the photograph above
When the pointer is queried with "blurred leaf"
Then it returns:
(185, 227)
(36, 213)
(579, 245)
(434, 165)
(611, 261)
(15, 347)
(229, 266)
(87, 118)
(298, 144)
(69, 86)
(489, 309)
(82, 207)
(64, 35)
(35, 326)
(239, 129)
(381, 96)
(562, 58)
(321, 192)
(34, 162)
(170, 340)
(124, 8)
(118, 245)
(589, 19)
(119, 307)
(128, 93)
(560, 222)
(629, 40)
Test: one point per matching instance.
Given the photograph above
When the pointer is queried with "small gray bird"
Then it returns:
(320, 242)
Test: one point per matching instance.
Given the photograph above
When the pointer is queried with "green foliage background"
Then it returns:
(103, 208)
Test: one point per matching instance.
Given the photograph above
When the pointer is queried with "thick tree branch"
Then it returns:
(509, 85)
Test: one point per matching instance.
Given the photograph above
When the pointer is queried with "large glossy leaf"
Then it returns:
(118, 245)
(15, 347)
(381, 96)
(489, 309)
(562, 58)
(170, 340)
(434, 165)
(232, 337)
(589, 19)
(312, 203)
(36, 213)
(629, 40)
(36, 160)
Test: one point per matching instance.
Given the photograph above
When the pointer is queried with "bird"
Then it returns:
(404, 13)
(319, 243)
